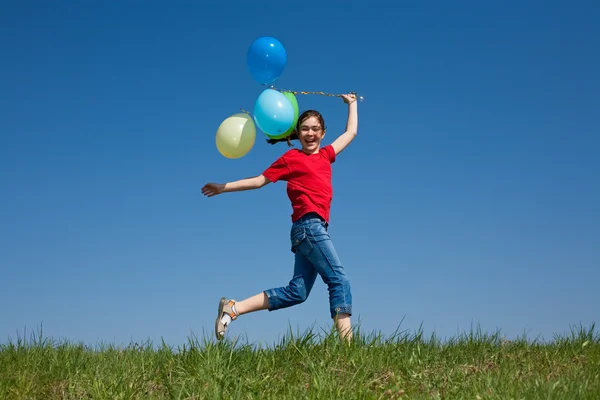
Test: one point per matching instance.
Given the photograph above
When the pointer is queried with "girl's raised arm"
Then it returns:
(345, 138)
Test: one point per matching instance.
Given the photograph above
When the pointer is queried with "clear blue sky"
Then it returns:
(470, 196)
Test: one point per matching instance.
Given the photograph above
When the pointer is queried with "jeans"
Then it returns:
(314, 254)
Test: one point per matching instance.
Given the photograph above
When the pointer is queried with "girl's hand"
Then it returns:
(212, 189)
(349, 98)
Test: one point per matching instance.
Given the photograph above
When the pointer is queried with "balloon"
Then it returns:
(290, 96)
(236, 135)
(273, 112)
(266, 59)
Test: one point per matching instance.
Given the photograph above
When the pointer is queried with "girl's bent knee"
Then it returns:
(298, 295)
(297, 290)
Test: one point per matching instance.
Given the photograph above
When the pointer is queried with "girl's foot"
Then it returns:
(227, 313)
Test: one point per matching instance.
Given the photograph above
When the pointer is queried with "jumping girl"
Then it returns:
(308, 175)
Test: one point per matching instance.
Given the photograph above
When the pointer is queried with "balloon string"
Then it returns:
(361, 98)
(318, 93)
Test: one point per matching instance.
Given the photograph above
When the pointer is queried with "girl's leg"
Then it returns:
(319, 250)
(272, 299)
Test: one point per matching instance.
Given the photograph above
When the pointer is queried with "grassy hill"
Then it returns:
(309, 365)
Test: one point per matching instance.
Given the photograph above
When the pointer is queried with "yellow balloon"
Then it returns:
(236, 135)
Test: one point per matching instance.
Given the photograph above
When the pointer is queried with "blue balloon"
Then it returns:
(273, 112)
(266, 59)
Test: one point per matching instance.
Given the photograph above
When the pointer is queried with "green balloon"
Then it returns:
(292, 98)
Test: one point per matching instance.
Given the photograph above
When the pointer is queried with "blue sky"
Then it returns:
(470, 195)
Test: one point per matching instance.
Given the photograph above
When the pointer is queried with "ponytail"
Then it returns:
(292, 136)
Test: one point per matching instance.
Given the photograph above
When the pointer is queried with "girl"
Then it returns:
(308, 173)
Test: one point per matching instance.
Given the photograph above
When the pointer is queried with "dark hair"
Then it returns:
(294, 135)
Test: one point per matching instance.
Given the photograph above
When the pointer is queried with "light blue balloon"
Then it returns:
(273, 112)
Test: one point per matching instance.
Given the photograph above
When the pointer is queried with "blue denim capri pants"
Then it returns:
(314, 254)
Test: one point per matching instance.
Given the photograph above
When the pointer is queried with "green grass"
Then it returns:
(308, 365)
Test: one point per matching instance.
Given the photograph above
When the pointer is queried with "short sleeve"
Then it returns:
(277, 171)
(329, 153)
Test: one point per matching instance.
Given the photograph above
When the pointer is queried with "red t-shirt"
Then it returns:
(309, 180)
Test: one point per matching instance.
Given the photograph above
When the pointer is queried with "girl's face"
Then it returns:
(310, 134)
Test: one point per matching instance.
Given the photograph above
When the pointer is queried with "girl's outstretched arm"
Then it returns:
(213, 189)
(345, 138)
